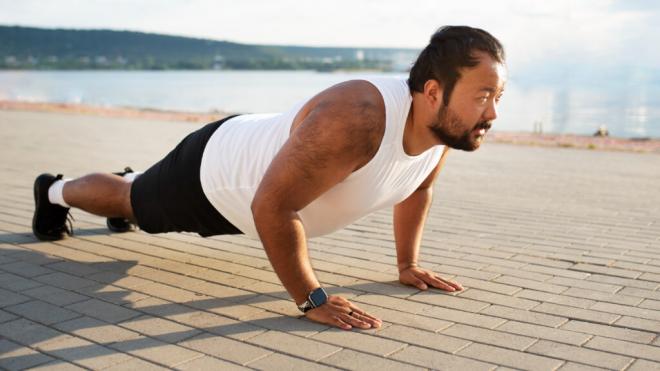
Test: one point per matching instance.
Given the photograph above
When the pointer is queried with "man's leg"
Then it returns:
(101, 194)
(106, 195)
(168, 197)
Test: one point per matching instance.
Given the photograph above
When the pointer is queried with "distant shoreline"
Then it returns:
(644, 145)
(115, 112)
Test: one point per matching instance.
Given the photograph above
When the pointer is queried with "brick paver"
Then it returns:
(306, 348)
(427, 339)
(510, 358)
(580, 354)
(42, 312)
(559, 250)
(17, 357)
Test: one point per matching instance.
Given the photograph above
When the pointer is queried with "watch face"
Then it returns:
(318, 297)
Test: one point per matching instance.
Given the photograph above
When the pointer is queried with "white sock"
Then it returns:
(55, 194)
(129, 177)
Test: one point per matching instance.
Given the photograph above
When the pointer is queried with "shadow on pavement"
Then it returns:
(28, 295)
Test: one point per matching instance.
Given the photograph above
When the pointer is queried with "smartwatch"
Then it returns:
(315, 298)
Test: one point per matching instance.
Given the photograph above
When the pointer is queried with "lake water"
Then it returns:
(628, 109)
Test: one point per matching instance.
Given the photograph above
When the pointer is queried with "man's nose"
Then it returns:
(491, 112)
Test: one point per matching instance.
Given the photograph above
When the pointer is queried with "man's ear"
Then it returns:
(433, 92)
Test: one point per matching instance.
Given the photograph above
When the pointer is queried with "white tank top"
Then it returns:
(239, 152)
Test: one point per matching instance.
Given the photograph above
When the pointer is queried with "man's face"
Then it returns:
(472, 105)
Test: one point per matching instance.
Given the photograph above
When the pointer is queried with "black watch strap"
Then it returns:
(315, 299)
(306, 306)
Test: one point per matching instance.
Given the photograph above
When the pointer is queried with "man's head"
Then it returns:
(461, 72)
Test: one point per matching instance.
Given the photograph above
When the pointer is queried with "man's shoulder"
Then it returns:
(353, 104)
(354, 93)
(358, 102)
(349, 115)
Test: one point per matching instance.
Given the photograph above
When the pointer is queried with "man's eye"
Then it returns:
(482, 99)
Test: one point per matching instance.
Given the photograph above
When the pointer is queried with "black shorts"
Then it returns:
(168, 197)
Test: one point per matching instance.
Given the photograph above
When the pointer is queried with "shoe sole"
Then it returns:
(115, 229)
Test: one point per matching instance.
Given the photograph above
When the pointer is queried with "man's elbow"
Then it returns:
(425, 190)
(265, 208)
(423, 195)
(261, 204)
(258, 207)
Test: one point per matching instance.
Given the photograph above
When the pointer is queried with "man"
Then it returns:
(352, 149)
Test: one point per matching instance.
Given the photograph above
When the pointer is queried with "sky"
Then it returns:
(602, 32)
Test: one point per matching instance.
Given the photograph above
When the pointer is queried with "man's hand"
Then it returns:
(422, 278)
(341, 313)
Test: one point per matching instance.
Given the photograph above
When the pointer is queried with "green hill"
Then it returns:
(38, 48)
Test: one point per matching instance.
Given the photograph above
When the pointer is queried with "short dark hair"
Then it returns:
(450, 49)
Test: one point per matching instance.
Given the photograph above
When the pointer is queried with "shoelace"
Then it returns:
(67, 227)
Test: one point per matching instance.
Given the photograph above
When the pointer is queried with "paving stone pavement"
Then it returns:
(559, 250)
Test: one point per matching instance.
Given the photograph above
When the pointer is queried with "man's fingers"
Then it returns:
(354, 320)
(428, 278)
(422, 278)
(366, 317)
(342, 313)
(454, 284)
(418, 281)
(415, 281)
(339, 322)
(439, 283)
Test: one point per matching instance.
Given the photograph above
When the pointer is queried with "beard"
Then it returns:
(450, 130)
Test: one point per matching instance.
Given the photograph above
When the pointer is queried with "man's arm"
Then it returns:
(409, 218)
(339, 134)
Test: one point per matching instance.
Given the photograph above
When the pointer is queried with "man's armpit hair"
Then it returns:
(310, 152)
(360, 131)
(371, 131)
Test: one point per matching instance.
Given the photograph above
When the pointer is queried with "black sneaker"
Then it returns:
(49, 222)
(120, 225)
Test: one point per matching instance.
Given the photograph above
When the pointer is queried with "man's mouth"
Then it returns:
(482, 128)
